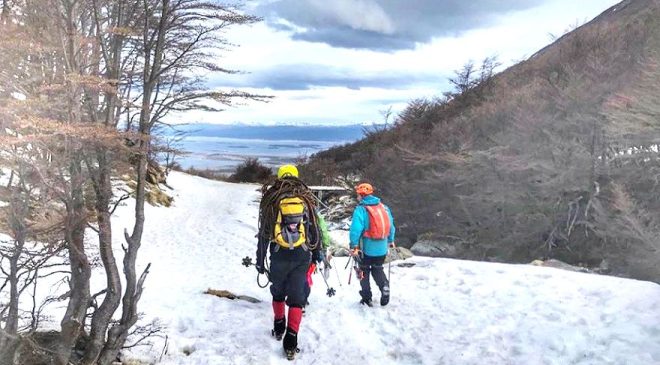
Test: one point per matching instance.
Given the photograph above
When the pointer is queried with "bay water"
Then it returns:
(223, 147)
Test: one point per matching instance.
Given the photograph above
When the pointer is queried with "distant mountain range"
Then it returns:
(346, 133)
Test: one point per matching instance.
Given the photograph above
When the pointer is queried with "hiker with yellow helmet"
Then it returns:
(372, 231)
(289, 230)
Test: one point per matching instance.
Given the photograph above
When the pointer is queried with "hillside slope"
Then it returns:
(554, 157)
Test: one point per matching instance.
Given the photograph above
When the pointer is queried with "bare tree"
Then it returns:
(95, 79)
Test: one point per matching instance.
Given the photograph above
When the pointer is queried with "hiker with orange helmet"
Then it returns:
(372, 231)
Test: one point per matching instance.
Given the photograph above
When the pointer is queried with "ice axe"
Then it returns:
(247, 262)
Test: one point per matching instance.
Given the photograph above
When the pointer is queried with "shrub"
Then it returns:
(251, 170)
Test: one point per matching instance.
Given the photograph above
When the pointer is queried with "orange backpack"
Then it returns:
(379, 222)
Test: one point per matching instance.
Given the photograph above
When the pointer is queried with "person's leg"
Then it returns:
(365, 293)
(295, 299)
(381, 279)
(308, 290)
(277, 289)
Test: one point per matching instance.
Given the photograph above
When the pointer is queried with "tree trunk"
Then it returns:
(8, 339)
(119, 332)
(103, 190)
(74, 319)
(103, 315)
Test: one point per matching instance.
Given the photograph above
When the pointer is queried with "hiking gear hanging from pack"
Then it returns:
(287, 171)
(364, 189)
(379, 222)
(279, 211)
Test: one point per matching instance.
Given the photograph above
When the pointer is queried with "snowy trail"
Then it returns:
(442, 311)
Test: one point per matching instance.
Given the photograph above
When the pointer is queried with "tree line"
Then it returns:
(83, 85)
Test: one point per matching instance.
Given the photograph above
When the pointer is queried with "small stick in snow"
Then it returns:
(229, 295)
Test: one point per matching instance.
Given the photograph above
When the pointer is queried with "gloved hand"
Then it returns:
(318, 256)
(260, 268)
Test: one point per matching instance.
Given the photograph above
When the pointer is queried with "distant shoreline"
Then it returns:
(221, 148)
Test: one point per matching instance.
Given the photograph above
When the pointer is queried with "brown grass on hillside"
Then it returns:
(536, 164)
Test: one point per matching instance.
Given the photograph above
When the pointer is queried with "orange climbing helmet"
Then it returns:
(364, 189)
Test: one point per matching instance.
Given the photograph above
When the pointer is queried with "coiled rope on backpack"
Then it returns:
(268, 208)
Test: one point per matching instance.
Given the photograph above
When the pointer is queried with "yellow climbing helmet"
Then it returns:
(287, 170)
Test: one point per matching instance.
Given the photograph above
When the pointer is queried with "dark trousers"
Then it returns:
(372, 265)
(288, 274)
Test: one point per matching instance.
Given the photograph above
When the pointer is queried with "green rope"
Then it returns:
(268, 208)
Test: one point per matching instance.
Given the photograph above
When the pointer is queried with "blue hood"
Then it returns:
(370, 200)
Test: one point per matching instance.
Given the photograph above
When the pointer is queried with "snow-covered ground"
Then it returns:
(442, 311)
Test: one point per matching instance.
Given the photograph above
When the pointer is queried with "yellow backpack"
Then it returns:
(290, 229)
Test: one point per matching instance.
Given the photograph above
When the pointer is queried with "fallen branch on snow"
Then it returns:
(229, 295)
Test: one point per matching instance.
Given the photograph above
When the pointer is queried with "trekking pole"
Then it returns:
(348, 262)
(331, 291)
(328, 267)
(338, 279)
(320, 201)
(352, 257)
(350, 274)
(389, 264)
(389, 268)
(359, 274)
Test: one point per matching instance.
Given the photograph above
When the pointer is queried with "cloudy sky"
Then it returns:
(346, 61)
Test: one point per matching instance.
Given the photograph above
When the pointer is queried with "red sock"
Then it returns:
(278, 310)
(295, 316)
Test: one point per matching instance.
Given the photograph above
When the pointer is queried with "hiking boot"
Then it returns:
(279, 325)
(366, 298)
(385, 296)
(290, 342)
(367, 302)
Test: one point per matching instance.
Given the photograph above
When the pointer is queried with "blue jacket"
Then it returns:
(360, 224)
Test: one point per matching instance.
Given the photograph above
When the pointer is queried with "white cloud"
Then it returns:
(357, 14)
(513, 37)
